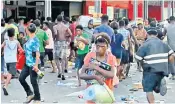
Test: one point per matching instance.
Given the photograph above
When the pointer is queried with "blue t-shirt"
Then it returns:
(116, 44)
(104, 28)
(32, 45)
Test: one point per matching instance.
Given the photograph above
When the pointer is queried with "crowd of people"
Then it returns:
(102, 54)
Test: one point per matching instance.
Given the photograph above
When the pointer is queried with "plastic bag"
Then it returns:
(99, 94)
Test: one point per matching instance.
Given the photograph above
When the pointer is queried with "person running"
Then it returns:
(43, 39)
(49, 48)
(92, 73)
(82, 43)
(125, 50)
(154, 55)
(116, 46)
(32, 55)
(10, 52)
(104, 27)
(171, 42)
(61, 33)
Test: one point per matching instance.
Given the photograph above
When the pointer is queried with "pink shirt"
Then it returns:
(51, 44)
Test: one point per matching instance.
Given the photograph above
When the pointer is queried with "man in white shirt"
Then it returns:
(49, 48)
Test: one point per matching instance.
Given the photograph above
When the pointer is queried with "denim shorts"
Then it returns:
(79, 61)
(151, 80)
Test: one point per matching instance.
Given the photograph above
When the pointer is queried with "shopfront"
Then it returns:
(115, 9)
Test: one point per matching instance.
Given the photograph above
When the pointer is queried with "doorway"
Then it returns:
(31, 13)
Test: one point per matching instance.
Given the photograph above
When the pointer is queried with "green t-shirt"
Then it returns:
(86, 49)
(42, 36)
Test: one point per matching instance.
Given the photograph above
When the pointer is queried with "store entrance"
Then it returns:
(58, 7)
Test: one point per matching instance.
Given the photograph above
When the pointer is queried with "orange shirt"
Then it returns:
(140, 34)
(111, 60)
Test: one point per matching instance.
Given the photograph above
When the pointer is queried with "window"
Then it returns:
(119, 13)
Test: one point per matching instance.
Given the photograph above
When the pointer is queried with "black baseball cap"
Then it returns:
(153, 24)
(152, 31)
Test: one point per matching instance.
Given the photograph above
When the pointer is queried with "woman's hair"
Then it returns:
(114, 25)
(102, 38)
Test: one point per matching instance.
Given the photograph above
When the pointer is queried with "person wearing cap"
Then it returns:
(170, 33)
(140, 33)
(91, 72)
(160, 33)
(31, 67)
(154, 56)
(10, 52)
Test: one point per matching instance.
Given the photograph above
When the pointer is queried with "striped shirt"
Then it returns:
(154, 55)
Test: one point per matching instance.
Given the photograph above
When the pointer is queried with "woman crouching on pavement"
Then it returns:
(91, 71)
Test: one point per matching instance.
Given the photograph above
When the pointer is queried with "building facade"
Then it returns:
(115, 9)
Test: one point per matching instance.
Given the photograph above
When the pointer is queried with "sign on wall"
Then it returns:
(91, 10)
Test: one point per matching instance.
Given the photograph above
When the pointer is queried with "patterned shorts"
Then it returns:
(61, 48)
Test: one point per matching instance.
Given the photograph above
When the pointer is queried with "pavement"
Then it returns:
(53, 90)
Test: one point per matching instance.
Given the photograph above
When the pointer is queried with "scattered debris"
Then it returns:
(55, 102)
(45, 82)
(133, 89)
(13, 101)
(42, 100)
(138, 86)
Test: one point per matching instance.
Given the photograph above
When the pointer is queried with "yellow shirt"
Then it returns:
(13, 26)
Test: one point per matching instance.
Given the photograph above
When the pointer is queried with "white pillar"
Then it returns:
(146, 9)
(162, 10)
(135, 9)
(2, 6)
(173, 8)
(169, 9)
(97, 6)
(48, 8)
